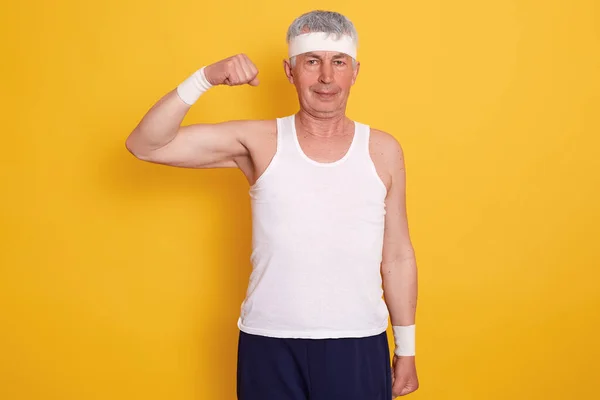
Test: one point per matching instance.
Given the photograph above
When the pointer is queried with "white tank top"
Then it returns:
(317, 239)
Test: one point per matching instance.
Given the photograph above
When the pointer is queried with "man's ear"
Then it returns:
(287, 67)
(355, 73)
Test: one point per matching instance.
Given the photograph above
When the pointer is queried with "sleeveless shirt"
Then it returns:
(317, 240)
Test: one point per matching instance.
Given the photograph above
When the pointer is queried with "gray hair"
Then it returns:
(322, 21)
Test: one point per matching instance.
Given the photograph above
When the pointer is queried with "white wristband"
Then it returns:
(192, 88)
(404, 338)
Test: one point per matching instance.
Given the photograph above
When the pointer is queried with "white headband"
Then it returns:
(321, 41)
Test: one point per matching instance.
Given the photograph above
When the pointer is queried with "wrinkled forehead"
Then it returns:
(314, 42)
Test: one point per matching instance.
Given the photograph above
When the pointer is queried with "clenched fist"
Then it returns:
(404, 376)
(232, 71)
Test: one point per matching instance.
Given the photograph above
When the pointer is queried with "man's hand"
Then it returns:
(232, 71)
(404, 376)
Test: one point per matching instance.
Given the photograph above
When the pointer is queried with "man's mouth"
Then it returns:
(326, 94)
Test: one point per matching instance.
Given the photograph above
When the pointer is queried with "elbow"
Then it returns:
(134, 148)
(131, 148)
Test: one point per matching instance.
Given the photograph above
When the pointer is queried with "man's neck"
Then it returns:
(319, 126)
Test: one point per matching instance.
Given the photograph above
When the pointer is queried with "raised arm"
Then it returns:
(160, 138)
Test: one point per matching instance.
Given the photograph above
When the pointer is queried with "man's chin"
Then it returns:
(326, 108)
(332, 102)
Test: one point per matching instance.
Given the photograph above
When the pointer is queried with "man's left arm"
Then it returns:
(399, 274)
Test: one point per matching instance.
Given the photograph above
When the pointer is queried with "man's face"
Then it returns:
(323, 80)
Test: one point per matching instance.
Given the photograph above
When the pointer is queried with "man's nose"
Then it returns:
(326, 73)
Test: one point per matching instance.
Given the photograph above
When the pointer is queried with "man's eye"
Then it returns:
(312, 62)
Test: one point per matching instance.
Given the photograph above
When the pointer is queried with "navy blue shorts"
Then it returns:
(313, 369)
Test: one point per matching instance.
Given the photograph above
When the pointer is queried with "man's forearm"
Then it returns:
(400, 290)
(160, 124)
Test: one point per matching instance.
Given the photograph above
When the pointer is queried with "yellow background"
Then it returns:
(123, 280)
